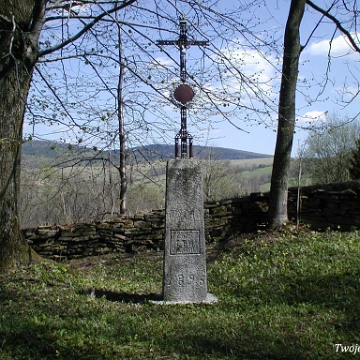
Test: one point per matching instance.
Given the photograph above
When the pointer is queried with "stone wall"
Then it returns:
(334, 206)
(124, 234)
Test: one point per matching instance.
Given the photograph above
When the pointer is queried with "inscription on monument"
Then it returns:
(184, 242)
(186, 278)
(177, 217)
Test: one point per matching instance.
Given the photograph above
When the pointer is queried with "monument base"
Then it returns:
(210, 299)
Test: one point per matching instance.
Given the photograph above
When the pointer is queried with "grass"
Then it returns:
(260, 162)
(264, 187)
(289, 295)
(260, 171)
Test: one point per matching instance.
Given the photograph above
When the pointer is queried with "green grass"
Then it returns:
(261, 171)
(262, 162)
(283, 296)
(265, 187)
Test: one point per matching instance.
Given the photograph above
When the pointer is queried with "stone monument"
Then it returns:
(184, 279)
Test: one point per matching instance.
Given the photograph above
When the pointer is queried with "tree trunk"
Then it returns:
(121, 125)
(18, 49)
(286, 118)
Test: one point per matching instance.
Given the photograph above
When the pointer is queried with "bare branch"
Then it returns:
(337, 23)
(85, 28)
(37, 22)
(56, 96)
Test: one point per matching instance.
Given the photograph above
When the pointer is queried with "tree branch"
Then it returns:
(85, 29)
(337, 23)
(37, 21)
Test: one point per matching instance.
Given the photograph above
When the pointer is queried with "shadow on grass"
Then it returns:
(39, 324)
(333, 290)
(174, 332)
(336, 292)
(335, 295)
(262, 346)
(122, 296)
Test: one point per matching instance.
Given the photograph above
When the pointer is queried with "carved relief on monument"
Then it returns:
(184, 242)
(185, 218)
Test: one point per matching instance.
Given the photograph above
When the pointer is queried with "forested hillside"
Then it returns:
(36, 151)
(63, 183)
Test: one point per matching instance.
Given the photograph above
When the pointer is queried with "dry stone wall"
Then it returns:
(124, 234)
(334, 206)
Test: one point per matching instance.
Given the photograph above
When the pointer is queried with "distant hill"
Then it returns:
(50, 149)
(159, 151)
(35, 151)
(42, 148)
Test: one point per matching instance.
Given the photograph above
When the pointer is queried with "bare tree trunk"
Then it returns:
(122, 136)
(278, 214)
(20, 26)
(301, 152)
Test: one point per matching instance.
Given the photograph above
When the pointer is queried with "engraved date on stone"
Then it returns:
(185, 242)
(190, 279)
(186, 279)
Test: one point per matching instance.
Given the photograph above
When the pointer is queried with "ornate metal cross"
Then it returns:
(183, 94)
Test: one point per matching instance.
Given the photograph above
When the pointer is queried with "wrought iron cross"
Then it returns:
(183, 94)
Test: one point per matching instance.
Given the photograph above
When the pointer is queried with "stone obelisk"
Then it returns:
(184, 279)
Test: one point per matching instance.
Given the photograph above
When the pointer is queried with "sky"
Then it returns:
(313, 100)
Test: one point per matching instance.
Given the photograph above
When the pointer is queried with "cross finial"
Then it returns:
(183, 90)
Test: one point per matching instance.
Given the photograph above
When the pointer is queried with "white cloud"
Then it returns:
(339, 46)
(313, 116)
(250, 74)
(164, 61)
(253, 64)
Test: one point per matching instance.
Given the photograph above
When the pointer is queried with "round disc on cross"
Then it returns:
(184, 94)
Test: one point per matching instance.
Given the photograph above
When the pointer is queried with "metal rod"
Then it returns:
(183, 44)
(176, 146)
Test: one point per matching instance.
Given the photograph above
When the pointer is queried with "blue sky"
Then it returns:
(320, 84)
(314, 99)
